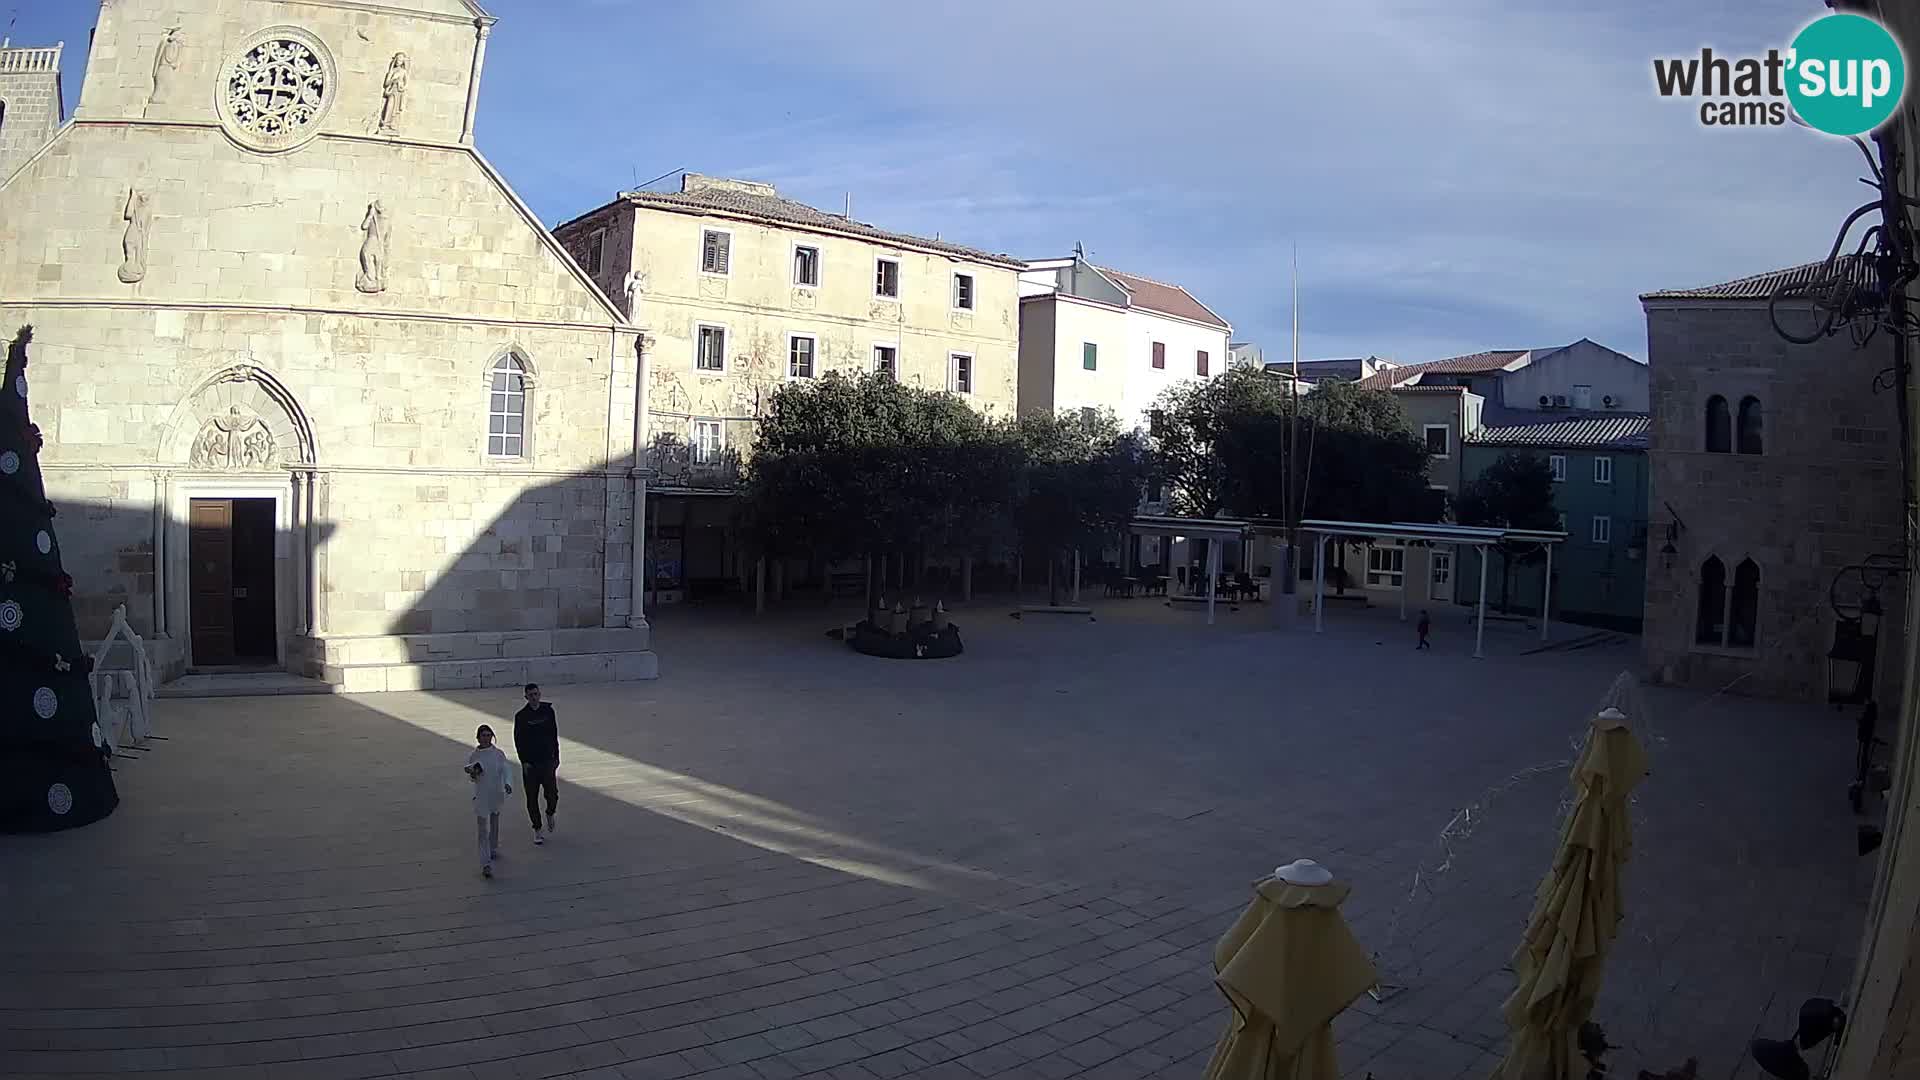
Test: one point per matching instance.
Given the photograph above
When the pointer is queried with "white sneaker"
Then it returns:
(550, 825)
(538, 837)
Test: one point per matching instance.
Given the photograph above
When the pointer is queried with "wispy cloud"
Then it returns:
(1456, 175)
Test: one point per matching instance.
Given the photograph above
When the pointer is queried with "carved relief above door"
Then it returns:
(237, 439)
(240, 419)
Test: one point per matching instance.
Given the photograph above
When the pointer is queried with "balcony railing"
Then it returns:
(678, 465)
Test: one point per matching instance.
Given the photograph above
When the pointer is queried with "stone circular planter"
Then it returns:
(920, 642)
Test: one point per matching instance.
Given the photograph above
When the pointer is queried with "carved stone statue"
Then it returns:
(373, 250)
(394, 91)
(634, 287)
(133, 244)
(166, 68)
(236, 439)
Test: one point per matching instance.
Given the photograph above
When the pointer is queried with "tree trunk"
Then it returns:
(1340, 568)
(1053, 587)
(867, 575)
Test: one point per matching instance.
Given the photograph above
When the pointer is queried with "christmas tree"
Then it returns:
(53, 760)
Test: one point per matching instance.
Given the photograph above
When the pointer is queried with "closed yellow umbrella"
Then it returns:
(1288, 966)
(1577, 912)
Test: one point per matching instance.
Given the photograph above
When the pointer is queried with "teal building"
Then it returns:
(1599, 463)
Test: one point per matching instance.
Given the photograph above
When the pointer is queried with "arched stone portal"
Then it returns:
(235, 535)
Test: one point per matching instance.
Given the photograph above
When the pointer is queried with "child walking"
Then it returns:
(492, 783)
(1425, 626)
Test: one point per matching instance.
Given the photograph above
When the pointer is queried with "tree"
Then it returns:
(1079, 482)
(53, 758)
(1515, 492)
(866, 466)
(1206, 435)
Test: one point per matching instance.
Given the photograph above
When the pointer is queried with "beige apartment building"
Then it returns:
(319, 391)
(743, 291)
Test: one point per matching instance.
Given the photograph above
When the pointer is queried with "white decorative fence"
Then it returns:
(123, 697)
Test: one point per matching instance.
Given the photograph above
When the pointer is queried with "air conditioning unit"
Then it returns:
(1609, 401)
(1545, 401)
(1559, 401)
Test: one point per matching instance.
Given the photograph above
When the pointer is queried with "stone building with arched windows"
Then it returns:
(319, 391)
(1774, 468)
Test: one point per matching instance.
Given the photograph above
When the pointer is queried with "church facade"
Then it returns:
(319, 392)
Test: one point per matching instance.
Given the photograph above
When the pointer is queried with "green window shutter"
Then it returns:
(1089, 356)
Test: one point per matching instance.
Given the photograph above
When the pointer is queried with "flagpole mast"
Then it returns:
(1291, 504)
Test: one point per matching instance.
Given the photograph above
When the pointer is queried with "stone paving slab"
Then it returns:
(785, 859)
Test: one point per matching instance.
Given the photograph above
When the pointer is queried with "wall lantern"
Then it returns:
(1820, 1020)
(1670, 551)
(1850, 661)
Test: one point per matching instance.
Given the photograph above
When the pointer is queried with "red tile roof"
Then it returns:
(1471, 364)
(1164, 298)
(1857, 269)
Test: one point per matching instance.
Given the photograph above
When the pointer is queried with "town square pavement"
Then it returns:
(785, 859)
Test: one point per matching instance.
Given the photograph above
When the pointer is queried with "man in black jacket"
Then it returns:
(536, 738)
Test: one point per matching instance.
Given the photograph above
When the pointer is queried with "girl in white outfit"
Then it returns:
(492, 782)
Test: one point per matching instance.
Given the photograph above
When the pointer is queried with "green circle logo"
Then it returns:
(1846, 74)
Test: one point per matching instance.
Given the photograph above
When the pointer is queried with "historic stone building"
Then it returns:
(744, 290)
(1774, 467)
(319, 389)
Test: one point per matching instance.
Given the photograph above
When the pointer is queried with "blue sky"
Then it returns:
(1457, 174)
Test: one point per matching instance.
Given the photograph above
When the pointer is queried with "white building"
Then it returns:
(1096, 338)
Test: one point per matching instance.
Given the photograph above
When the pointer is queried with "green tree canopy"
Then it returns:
(1515, 492)
(1080, 480)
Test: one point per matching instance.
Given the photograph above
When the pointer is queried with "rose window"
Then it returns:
(278, 89)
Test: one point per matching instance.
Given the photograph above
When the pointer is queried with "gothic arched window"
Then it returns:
(1729, 617)
(1719, 426)
(507, 408)
(1749, 431)
(1710, 627)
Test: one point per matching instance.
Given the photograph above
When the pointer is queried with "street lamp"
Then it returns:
(1850, 661)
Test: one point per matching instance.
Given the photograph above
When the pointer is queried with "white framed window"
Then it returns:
(886, 278)
(960, 373)
(886, 361)
(507, 409)
(1386, 566)
(800, 356)
(709, 441)
(1558, 463)
(1603, 470)
(1439, 438)
(1582, 397)
(806, 266)
(709, 347)
(963, 292)
(716, 252)
(596, 252)
(1602, 532)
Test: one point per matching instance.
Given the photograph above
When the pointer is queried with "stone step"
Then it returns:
(241, 684)
(566, 668)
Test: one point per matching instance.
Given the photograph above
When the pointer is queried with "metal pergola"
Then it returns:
(1472, 536)
(1209, 529)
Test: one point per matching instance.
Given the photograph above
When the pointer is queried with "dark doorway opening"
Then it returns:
(230, 576)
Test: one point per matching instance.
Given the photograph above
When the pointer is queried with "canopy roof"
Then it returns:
(1473, 535)
(1174, 525)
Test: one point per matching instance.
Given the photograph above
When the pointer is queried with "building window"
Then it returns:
(1749, 425)
(1089, 355)
(886, 278)
(1727, 617)
(1439, 439)
(800, 356)
(1602, 529)
(507, 409)
(806, 266)
(1583, 397)
(1089, 417)
(709, 440)
(716, 252)
(1441, 563)
(963, 291)
(596, 251)
(886, 361)
(710, 348)
(1160, 354)
(1200, 362)
(960, 373)
(1386, 566)
(1719, 426)
(1558, 463)
(1603, 470)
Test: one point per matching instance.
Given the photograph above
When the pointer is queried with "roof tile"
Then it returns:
(1605, 431)
(1858, 269)
(776, 210)
(1470, 364)
(1164, 298)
